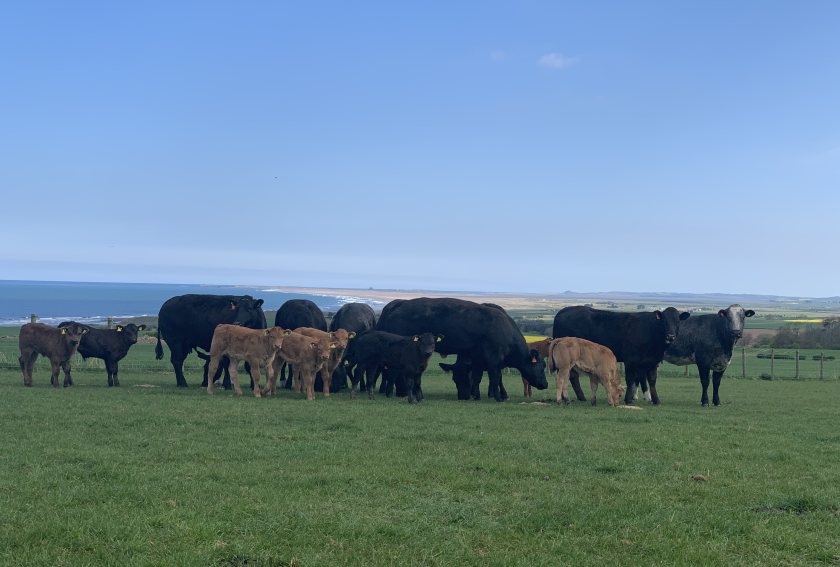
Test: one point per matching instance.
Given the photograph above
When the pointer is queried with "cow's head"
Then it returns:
(73, 332)
(533, 370)
(425, 344)
(671, 319)
(733, 320)
(129, 332)
(248, 312)
(342, 336)
(275, 337)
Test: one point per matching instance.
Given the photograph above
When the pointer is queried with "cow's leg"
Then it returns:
(255, 383)
(234, 376)
(651, 380)
(593, 385)
(68, 378)
(212, 367)
(288, 379)
(326, 378)
(27, 365)
(494, 376)
(704, 384)
(355, 380)
(112, 367)
(383, 386)
(251, 374)
(716, 376)
(574, 378)
(177, 355)
(463, 383)
(476, 374)
(561, 379)
(642, 381)
(525, 389)
(502, 390)
(371, 376)
(308, 384)
(55, 366)
(630, 380)
(226, 364)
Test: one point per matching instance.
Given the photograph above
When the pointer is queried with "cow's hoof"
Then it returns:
(704, 404)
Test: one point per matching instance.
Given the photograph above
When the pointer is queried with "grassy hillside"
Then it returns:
(148, 474)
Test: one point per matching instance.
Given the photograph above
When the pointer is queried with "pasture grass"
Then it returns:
(149, 474)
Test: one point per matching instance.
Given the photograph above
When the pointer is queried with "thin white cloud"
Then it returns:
(557, 61)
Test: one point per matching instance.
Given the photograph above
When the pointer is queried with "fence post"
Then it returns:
(772, 364)
(110, 322)
(743, 362)
(797, 364)
(686, 371)
(822, 361)
(33, 318)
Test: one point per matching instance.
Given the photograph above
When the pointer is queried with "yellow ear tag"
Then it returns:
(63, 331)
(416, 338)
(119, 328)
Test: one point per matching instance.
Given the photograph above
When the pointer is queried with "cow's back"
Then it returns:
(602, 327)
(192, 318)
(355, 317)
(296, 313)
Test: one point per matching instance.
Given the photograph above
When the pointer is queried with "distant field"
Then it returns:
(148, 474)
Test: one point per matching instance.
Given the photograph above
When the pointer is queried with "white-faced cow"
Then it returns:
(637, 339)
(707, 341)
(111, 345)
(58, 345)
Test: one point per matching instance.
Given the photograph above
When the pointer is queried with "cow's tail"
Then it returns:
(158, 347)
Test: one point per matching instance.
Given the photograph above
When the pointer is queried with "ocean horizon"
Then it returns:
(94, 302)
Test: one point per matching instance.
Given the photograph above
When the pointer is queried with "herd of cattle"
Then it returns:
(307, 354)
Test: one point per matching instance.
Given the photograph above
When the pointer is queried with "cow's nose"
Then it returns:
(669, 338)
(737, 334)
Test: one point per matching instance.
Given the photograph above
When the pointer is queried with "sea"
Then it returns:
(93, 303)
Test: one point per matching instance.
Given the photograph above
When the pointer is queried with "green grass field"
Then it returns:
(148, 474)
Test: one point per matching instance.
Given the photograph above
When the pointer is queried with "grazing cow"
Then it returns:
(707, 341)
(485, 335)
(258, 347)
(590, 358)
(296, 313)
(188, 321)
(111, 345)
(340, 338)
(637, 339)
(307, 355)
(355, 318)
(58, 345)
(398, 358)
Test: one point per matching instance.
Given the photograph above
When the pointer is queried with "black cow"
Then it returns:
(480, 333)
(353, 317)
(397, 357)
(111, 345)
(707, 341)
(637, 339)
(188, 321)
(296, 313)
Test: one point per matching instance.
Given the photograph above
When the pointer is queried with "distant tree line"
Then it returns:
(825, 336)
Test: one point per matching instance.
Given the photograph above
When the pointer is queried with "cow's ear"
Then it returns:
(438, 338)
(684, 315)
(749, 313)
(119, 328)
(415, 338)
(233, 306)
(332, 334)
(85, 330)
(658, 314)
(722, 313)
(63, 331)
(332, 346)
(286, 332)
(351, 334)
(141, 328)
(259, 303)
(266, 332)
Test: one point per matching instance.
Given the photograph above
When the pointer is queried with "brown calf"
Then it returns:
(568, 353)
(58, 345)
(541, 347)
(307, 356)
(257, 347)
(340, 337)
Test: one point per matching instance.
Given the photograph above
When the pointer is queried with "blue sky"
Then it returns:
(499, 146)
